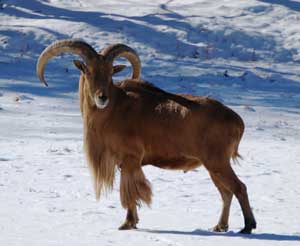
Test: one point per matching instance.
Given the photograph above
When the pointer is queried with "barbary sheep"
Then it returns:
(133, 123)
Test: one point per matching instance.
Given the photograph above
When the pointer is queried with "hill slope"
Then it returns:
(244, 53)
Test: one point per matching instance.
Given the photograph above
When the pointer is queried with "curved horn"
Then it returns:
(121, 50)
(75, 46)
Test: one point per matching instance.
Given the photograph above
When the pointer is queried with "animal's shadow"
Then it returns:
(204, 233)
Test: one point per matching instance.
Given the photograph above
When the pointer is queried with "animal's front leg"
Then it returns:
(134, 189)
(131, 219)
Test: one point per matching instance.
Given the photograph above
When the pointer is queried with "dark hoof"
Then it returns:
(249, 227)
(246, 231)
(220, 228)
(127, 226)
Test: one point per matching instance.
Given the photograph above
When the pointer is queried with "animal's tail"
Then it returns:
(236, 156)
(240, 131)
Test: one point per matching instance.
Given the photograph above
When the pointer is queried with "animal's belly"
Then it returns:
(179, 163)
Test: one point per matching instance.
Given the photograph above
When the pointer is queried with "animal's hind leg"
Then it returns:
(226, 195)
(134, 189)
(229, 179)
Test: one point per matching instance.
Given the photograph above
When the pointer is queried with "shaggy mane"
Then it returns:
(102, 164)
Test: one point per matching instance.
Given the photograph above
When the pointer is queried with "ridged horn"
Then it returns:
(74, 46)
(121, 50)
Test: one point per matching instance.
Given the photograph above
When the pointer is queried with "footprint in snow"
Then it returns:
(23, 98)
(92, 213)
(249, 108)
(259, 9)
(66, 149)
(53, 194)
(55, 210)
(67, 176)
(60, 151)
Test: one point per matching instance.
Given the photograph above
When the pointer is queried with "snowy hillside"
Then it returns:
(243, 53)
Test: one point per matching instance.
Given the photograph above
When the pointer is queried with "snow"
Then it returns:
(244, 53)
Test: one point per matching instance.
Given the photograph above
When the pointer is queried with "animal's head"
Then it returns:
(97, 68)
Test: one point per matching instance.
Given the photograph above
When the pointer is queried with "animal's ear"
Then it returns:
(118, 68)
(80, 65)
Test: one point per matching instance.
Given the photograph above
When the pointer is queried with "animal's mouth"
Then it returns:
(101, 101)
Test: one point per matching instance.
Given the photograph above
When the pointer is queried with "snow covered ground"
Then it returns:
(244, 53)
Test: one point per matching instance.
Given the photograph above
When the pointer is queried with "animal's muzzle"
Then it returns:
(101, 100)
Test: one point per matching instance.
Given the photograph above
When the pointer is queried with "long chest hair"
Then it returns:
(101, 161)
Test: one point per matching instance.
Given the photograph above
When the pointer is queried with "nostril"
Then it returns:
(103, 97)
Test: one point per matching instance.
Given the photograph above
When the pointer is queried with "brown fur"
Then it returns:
(134, 188)
(143, 125)
(133, 123)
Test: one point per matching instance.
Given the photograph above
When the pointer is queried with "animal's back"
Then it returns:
(214, 110)
(185, 117)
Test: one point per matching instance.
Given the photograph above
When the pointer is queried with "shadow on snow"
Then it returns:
(229, 45)
(257, 236)
(286, 3)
